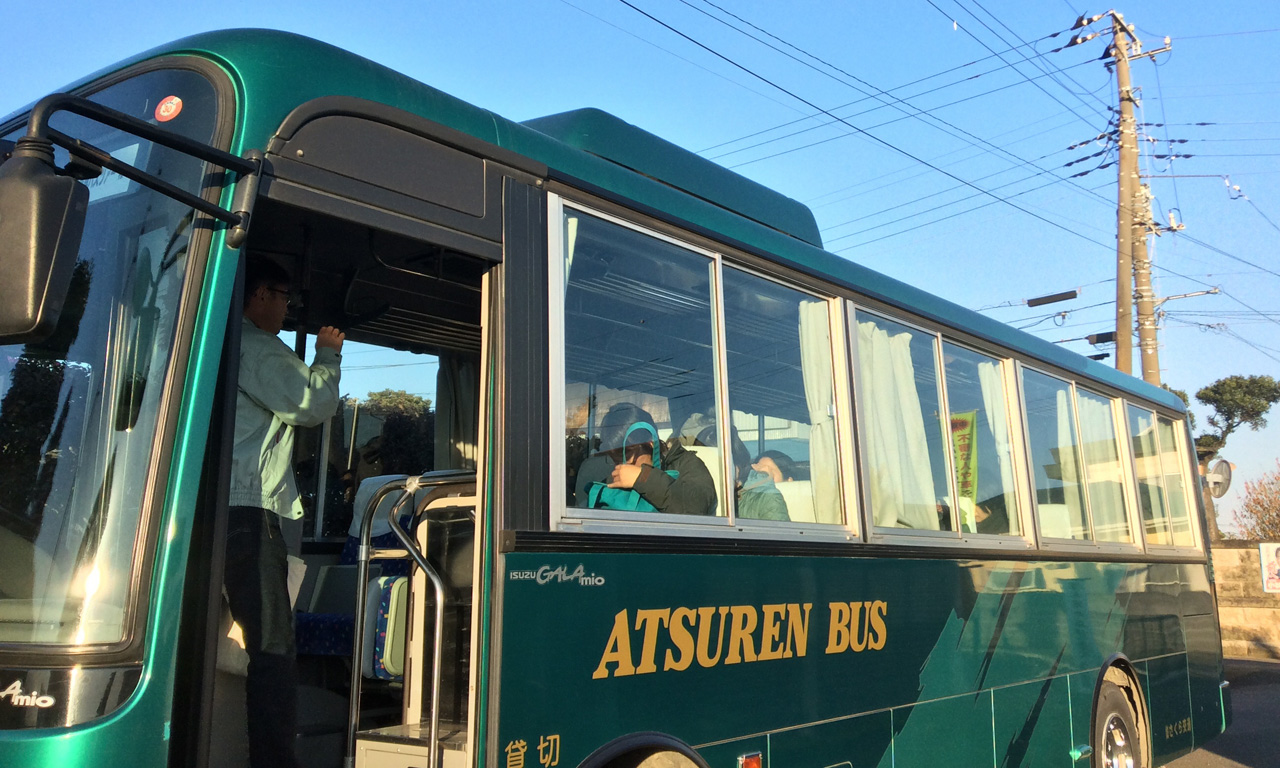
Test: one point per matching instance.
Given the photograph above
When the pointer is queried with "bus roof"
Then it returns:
(278, 71)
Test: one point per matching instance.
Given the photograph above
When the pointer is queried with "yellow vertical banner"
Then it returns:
(963, 430)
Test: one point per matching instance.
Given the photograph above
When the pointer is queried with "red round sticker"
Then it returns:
(168, 109)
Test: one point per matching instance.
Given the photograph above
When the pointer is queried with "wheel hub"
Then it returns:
(1117, 748)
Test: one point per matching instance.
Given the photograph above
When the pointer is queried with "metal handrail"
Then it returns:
(437, 654)
(362, 582)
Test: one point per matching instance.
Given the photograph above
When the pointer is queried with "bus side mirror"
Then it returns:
(41, 221)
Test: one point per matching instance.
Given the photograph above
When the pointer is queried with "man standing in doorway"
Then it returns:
(277, 392)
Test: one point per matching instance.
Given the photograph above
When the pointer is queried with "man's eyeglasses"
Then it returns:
(292, 300)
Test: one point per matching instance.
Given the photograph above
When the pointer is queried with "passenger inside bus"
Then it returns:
(756, 490)
(678, 484)
(759, 498)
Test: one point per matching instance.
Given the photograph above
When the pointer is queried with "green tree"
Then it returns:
(1237, 401)
(1259, 515)
(385, 402)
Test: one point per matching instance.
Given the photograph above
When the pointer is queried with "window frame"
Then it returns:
(565, 518)
(878, 534)
(1026, 537)
(850, 522)
(1050, 543)
(955, 538)
(155, 500)
(844, 303)
(1194, 512)
(1132, 515)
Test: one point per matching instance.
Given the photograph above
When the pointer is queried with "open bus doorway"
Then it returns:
(410, 388)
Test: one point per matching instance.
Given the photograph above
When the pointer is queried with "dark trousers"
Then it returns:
(257, 582)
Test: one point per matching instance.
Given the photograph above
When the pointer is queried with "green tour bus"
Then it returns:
(867, 527)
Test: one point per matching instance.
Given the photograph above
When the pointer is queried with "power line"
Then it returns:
(880, 94)
(858, 114)
(1037, 64)
(984, 45)
(940, 207)
(1163, 118)
(917, 81)
(1217, 250)
(1228, 34)
(941, 192)
(652, 44)
(1204, 123)
(919, 113)
(814, 204)
(871, 136)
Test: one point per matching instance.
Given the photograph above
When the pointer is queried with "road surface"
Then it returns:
(1253, 738)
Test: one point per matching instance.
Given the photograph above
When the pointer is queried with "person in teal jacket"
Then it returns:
(277, 393)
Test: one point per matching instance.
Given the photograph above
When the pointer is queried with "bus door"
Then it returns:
(392, 229)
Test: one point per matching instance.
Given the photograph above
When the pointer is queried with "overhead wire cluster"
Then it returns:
(1012, 53)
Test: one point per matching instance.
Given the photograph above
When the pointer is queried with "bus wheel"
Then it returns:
(1115, 730)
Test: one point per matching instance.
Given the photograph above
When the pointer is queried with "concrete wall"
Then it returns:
(1250, 617)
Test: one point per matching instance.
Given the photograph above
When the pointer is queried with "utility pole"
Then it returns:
(1127, 137)
(1148, 347)
(1133, 214)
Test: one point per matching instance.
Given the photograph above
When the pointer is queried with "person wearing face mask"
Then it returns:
(759, 497)
(690, 492)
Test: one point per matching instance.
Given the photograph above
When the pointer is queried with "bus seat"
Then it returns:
(710, 455)
(1055, 520)
(385, 629)
(334, 590)
(799, 497)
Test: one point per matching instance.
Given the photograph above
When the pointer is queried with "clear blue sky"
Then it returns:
(1006, 131)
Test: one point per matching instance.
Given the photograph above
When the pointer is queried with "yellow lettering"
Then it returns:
(769, 646)
(858, 641)
(682, 619)
(617, 650)
(876, 620)
(741, 644)
(797, 630)
(652, 620)
(838, 634)
(704, 635)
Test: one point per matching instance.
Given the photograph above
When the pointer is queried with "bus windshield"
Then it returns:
(79, 411)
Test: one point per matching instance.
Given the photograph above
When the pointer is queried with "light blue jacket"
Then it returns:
(277, 393)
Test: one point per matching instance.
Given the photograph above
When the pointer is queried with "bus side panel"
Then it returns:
(1204, 653)
(712, 648)
(926, 734)
(858, 742)
(728, 752)
(1033, 723)
(1083, 686)
(1167, 696)
(1204, 671)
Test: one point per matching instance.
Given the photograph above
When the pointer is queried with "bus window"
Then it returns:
(899, 408)
(781, 394)
(1151, 492)
(387, 426)
(1104, 473)
(981, 449)
(1055, 457)
(639, 355)
(81, 411)
(1171, 464)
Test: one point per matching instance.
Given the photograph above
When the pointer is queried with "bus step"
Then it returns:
(408, 746)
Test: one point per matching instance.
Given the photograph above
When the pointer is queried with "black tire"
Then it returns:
(1117, 738)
